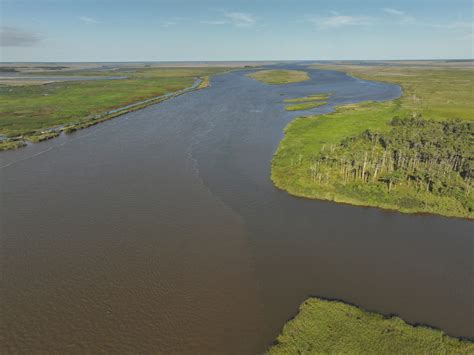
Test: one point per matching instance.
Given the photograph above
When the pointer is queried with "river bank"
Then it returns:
(334, 327)
(296, 169)
(34, 113)
(130, 224)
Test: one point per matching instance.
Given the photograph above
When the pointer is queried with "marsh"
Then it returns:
(161, 230)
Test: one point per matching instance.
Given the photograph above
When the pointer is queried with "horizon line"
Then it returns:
(242, 60)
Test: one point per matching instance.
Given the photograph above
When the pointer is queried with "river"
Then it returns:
(160, 230)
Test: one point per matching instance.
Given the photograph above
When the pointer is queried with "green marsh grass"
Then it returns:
(30, 109)
(279, 77)
(332, 327)
(305, 106)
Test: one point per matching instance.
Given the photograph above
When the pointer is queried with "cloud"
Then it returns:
(238, 19)
(459, 25)
(464, 30)
(401, 15)
(241, 19)
(467, 36)
(217, 22)
(405, 18)
(168, 23)
(16, 37)
(88, 19)
(393, 11)
(340, 21)
(173, 21)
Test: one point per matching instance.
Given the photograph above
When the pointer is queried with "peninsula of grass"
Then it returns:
(309, 98)
(332, 327)
(307, 102)
(205, 82)
(305, 106)
(11, 144)
(355, 156)
(33, 112)
(279, 77)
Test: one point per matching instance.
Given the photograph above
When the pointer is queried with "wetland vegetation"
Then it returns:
(427, 134)
(334, 327)
(279, 77)
(38, 112)
(307, 102)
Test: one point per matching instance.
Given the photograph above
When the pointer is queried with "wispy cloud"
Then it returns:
(11, 36)
(393, 11)
(461, 29)
(173, 21)
(238, 19)
(337, 20)
(467, 36)
(458, 25)
(86, 19)
(402, 16)
(168, 23)
(216, 22)
(241, 19)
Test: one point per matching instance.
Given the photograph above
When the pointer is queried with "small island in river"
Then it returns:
(279, 77)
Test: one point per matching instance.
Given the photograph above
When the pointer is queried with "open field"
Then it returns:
(31, 111)
(430, 92)
(279, 77)
(434, 91)
(334, 327)
(42, 68)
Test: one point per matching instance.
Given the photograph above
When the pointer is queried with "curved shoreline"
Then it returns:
(362, 204)
(384, 315)
(50, 133)
(299, 331)
(127, 193)
(332, 195)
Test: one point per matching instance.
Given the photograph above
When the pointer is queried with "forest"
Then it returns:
(421, 155)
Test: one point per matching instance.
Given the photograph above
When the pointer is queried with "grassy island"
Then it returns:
(36, 111)
(279, 77)
(304, 106)
(307, 102)
(413, 154)
(332, 327)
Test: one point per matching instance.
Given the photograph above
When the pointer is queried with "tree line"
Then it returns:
(429, 155)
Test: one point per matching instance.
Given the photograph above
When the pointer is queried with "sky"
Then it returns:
(205, 30)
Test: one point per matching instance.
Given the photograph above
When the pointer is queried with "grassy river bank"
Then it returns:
(36, 112)
(333, 327)
(355, 155)
(413, 154)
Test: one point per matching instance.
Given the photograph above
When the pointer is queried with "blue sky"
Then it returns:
(169, 30)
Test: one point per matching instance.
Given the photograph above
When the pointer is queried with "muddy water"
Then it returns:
(161, 231)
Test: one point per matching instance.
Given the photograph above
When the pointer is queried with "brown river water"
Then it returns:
(160, 231)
